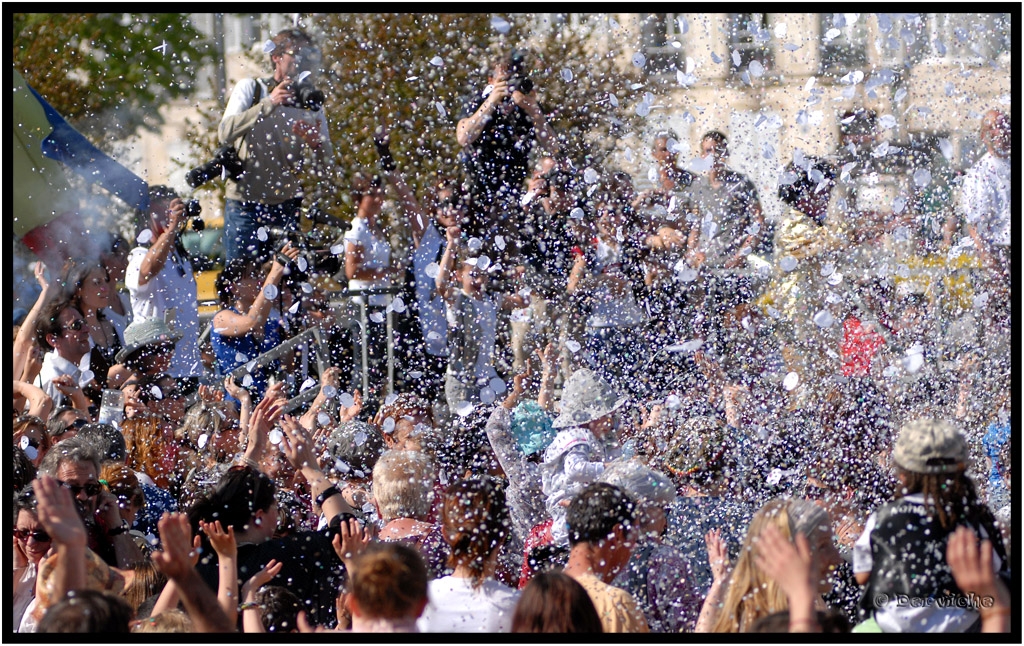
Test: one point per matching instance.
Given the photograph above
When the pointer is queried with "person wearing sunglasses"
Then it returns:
(75, 464)
(63, 331)
(64, 423)
(31, 544)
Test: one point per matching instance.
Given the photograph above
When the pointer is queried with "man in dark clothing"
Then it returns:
(497, 135)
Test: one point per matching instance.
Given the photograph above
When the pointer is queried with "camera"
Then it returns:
(193, 210)
(517, 78)
(307, 96)
(226, 158)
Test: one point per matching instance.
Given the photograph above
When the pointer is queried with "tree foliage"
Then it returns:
(108, 73)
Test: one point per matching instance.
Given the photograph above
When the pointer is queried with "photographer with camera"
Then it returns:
(273, 124)
(160, 281)
(497, 134)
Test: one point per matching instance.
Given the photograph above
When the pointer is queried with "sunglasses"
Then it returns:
(91, 489)
(39, 535)
(76, 325)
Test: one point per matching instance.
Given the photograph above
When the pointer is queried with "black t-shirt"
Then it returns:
(497, 162)
(311, 569)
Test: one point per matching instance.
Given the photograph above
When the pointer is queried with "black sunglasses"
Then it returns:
(76, 325)
(39, 535)
(92, 489)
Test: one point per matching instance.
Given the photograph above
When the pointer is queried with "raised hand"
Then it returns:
(57, 513)
(351, 539)
(178, 556)
(790, 565)
(261, 578)
(718, 554)
(223, 542)
(351, 412)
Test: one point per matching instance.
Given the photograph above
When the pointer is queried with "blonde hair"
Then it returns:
(752, 594)
(403, 485)
(168, 621)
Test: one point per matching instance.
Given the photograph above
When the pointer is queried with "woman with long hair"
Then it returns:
(746, 594)
(476, 524)
(88, 285)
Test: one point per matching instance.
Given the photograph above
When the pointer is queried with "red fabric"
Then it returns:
(539, 536)
(858, 348)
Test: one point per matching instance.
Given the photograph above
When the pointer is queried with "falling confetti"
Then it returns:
(270, 292)
(276, 436)
(566, 74)
(500, 25)
(791, 381)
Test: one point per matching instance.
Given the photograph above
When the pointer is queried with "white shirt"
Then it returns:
(608, 310)
(455, 607)
(431, 305)
(173, 288)
(985, 198)
(376, 255)
(55, 366)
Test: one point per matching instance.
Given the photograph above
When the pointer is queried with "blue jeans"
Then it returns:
(242, 221)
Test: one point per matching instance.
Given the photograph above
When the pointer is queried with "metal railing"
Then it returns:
(312, 338)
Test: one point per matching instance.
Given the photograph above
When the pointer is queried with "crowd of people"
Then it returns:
(613, 410)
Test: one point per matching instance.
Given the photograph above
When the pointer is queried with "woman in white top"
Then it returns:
(476, 523)
(368, 266)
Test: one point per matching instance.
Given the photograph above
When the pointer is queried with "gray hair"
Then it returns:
(403, 485)
(74, 449)
(353, 448)
(642, 483)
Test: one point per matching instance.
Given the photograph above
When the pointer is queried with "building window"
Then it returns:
(661, 36)
(843, 42)
(749, 41)
(960, 37)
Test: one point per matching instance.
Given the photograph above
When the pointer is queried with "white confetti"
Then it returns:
(247, 381)
(432, 270)
(715, 58)
(497, 385)
(780, 30)
(572, 346)
(437, 61)
(341, 466)
(323, 419)
(308, 383)
(831, 34)
(388, 426)
(946, 146)
(144, 236)
(487, 395)
(980, 301)
(483, 262)
(500, 25)
(899, 204)
(737, 60)
(824, 319)
(922, 177)
(440, 109)
(359, 438)
(415, 374)
(275, 436)
(306, 287)
(86, 377)
(913, 363)
(377, 317)
(301, 263)
(787, 263)
(673, 401)
(31, 452)
(566, 74)
(270, 292)
(261, 234)
(827, 269)
(756, 68)
(791, 381)
(268, 46)
(475, 244)
(577, 213)
(790, 47)
(329, 391)
(639, 60)
(590, 176)
(346, 400)
(202, 440)
(391, 399)
(835, 279)
(463, 408)
(499, 242)
(24, 442)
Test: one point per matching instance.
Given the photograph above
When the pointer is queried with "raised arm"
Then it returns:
(444, 282)
(406, 198)
(232, 324)
(156, 256)
(26, 339)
